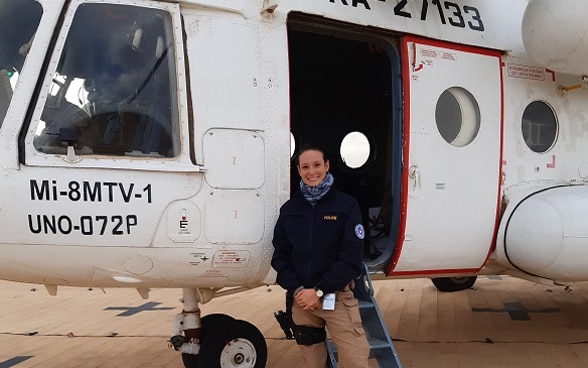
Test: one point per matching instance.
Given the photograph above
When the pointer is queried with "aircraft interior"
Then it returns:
(345, 97)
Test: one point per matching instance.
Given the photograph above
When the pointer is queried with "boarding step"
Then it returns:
(381, 347)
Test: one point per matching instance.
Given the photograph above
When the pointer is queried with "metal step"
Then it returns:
(381, 347)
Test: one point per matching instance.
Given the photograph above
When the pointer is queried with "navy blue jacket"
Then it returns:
(318, 245)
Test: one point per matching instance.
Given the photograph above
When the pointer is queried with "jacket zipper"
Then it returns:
(310, 242)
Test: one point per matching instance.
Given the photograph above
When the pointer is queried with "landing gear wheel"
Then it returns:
(233, 344)
(454, 283)
(209, 322)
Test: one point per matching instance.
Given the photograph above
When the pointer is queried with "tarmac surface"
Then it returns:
(500, 322)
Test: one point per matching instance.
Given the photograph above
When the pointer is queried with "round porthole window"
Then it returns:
(292, 145)
(458, 116)
(355, 150)
(539, 126)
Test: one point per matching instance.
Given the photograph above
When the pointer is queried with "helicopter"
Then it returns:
(149, 144)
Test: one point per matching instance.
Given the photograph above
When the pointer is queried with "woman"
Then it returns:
(318, 244)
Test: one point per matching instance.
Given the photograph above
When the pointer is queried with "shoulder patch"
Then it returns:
(359, 231)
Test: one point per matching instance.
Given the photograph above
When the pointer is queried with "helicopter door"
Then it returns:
(453, 130)
(105, 138)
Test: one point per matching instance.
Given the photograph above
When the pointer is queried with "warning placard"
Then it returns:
(526, 71)
(231, 258)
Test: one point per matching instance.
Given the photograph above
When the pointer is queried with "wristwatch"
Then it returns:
(318, 292)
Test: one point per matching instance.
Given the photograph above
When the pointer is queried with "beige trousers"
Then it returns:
(344, 327)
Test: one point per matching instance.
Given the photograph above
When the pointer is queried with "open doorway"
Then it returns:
(345, 96)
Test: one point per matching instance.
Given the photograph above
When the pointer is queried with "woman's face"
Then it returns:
(312, 167)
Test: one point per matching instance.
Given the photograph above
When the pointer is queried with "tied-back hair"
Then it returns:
(309, 147)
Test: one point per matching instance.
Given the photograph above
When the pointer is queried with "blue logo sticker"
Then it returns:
(359, 231)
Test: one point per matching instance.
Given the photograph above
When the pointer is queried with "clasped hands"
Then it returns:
(307, 299)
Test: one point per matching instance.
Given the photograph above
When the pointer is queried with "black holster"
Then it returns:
(304, 335)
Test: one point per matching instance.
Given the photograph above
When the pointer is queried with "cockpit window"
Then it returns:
(18, 23)
(113, 92)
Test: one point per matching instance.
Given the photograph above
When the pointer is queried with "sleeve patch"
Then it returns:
(359, 231)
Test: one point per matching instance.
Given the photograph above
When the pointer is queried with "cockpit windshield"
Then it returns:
(18, 23)
(113, 92)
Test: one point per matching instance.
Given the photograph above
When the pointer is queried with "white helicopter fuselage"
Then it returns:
(486, 185)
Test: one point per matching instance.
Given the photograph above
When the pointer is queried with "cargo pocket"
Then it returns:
(352, 309)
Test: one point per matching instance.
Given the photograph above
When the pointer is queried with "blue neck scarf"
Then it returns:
(315, 194)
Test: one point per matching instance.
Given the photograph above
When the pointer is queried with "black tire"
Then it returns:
(233, 344)
(190, 360)
(208, 323)
(450, 284)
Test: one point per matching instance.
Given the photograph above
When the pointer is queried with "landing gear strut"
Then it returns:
(215, 340)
